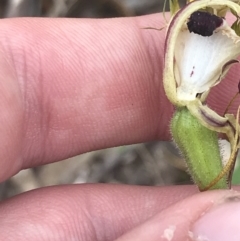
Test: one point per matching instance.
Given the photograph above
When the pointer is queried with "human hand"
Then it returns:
(70, 86)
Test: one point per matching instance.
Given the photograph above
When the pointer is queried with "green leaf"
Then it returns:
(236, 27)
(174, 6)
(209, 10)
(234, 13)
(236, 173)
(222, 12)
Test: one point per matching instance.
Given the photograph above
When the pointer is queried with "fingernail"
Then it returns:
(220, 223)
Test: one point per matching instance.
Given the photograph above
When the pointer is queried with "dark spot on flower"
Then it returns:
(192, 72)
(203, 23)
(239, 87)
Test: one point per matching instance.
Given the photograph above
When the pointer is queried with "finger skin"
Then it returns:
(175, 223)
(83, 212)
(80, 85)
(70, 86)
(98, 212)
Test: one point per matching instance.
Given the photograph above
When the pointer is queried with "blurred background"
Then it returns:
(79, 8)
(156, 163)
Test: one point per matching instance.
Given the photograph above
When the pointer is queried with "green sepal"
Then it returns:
(199, 146)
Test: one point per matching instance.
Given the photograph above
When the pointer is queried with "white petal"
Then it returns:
(199, 60)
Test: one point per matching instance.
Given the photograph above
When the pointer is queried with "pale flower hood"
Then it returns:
(201, 62)
(195, 63)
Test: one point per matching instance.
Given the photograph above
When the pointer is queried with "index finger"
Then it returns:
(70, 86)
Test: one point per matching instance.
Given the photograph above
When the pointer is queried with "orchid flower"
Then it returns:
(200, 48)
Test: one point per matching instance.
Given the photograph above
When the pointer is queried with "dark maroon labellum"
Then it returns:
(203, 23)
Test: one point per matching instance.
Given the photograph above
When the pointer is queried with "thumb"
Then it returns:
(209, 216)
